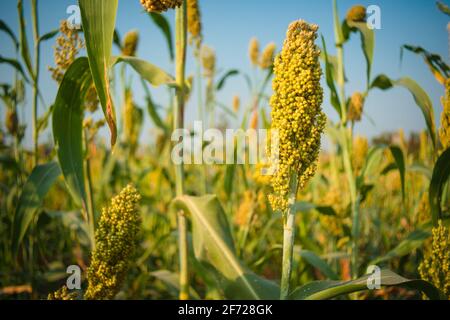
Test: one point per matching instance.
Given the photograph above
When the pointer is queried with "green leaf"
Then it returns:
(324, 290)
(226, 76)
(229, 179)
(48, 36)
(99, 20)
(171, 280)
(318, 263)
(399, 158)
(151, 73)
(67, 126)
(420, 97)
(441, 174)
(4, 27)
(214, 247)
(330, 80)
(367, 43)
(443, 8)
(414, 241)
(303, 206)
(437, 66)
(117, 40)
(31, 198)
(15, 64)
(24, 50)
(163, 24)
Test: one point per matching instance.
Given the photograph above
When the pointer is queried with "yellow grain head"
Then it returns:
(245, 208)
(435, 266)
(444, 131)
(68, 45)
(115, 237)
(130, 43)
(208, 61)
(253, 51)
(356, 107)
(357, 14)
(296, 111)
(160, 5)
(62, 294)
(254, 120)
(194, 23)
(267, 56)
(360, 149)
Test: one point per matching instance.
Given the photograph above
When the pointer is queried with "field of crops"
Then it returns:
(268, 194)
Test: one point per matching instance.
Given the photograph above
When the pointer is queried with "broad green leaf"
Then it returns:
(99, 20)
(399, 158)
(226, 76)
(4, 27)
(330, 80)
(318, 263)
(67, 126)
(151, 73)
(325, 290)
(24, 49)
(441, 174)
(31, 198)
(367, 43)
(420, 97)
(214, 247)
(414, 241)
(171, 280)
(163, 24)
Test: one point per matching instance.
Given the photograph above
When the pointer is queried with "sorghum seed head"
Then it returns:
(435, 266)
(68, 45)
(444, 131)
(115, 238)
(62, 294)
(360, 149)
(357, 14)
(253, 51)
(208, 61)
(356, 107)
(130, 43)
(160, 5)
(267, 56)
(194, 22)
(296, 111)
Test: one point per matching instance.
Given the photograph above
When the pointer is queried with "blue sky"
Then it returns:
(229, 25)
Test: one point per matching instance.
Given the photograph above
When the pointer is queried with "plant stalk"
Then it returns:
(181, 43)
(37, 52)
(288, 241)
(89, 191)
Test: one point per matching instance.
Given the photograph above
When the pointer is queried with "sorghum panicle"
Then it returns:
(357, 14)
(130, 44)
(253, 51)
(267, 56)
(296, 111)
(115, 237)
(360, 149)
(68, 45)
(356, 107)
(208, 61)
(444, 131)
(435, 266)
(194, 22)
(160, 5)
(236, 103)
(62, 294)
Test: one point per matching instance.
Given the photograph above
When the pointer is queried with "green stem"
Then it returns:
(288, 241)
(181, 26)
(35, 17)
(89, 192)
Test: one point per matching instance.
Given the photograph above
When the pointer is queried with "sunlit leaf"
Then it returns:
(441, 174)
